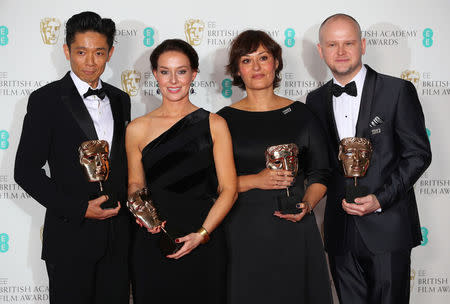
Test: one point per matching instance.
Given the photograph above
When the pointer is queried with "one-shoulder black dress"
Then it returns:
(180, 173)
(273, 260)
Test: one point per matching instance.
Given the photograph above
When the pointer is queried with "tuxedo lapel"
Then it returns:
(75, 104)
(331, 119)
(367, 96)
(117, 112)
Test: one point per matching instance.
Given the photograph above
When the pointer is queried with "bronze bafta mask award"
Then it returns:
(95, 163)
(285, 157)
(355, 154)
(141, 206)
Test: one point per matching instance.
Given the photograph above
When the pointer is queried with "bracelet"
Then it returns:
(308, 206)
(204, 233)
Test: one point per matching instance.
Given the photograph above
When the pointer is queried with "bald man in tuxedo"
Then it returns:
(369, 243)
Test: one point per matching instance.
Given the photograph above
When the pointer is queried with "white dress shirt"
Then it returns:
(100, 110)
(346, 107)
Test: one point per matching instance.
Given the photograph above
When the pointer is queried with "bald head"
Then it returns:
(339, 17)
(341, 46)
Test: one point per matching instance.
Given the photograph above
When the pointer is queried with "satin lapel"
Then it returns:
(331, 120)
(365, 107)
(75, 104)
(117, 112)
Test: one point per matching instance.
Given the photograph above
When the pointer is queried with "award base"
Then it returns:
(167, 244)
(288, 205)
(352, 192)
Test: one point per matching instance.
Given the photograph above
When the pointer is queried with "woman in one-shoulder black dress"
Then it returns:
(273, 257)
(183, 154)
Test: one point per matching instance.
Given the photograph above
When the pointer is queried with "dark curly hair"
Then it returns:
(248, 42)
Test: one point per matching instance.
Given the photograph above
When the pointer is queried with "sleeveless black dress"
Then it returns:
(181, 176)
(272, 260)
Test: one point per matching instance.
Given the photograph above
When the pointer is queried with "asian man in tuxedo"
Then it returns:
(85, 247)
(369, 243)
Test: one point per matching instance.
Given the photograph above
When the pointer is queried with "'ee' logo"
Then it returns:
(4, 239)
(226, 88)
(290, 37)
(4, 135)
(148, 36)
(427, 37)
(424, 236)
(3, 35)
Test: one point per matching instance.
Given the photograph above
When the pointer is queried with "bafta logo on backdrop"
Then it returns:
(131, 82)
(50, 30)
(193, 29)
(41, 234)
(412, 278)
(412, 76)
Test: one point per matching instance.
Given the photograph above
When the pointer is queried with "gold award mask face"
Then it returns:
(282, 157)
(50, 30)
(94, 159)
(193, 29)
(355, 154)
(141, 205)
(130, 81)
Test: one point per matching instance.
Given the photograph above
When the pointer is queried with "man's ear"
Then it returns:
(319, 49)
(66, 51)
(363, 46)
(111, 51)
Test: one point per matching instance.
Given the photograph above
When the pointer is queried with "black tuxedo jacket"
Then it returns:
(401, 154)
(55, 125)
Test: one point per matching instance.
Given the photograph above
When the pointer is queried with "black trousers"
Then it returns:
(361, 276)
(98, 281)
(87, 282)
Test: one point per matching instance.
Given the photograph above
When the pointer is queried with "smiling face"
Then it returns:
(341, 47)
(88, 55)
(355, 154)
(174, 75)
(257, 69)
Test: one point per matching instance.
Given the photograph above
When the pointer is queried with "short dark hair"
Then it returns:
(248, 42)
(90, 21)
(341, 16)
(176, 45)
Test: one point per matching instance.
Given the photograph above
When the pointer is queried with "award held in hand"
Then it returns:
(355, 154)
(141, 206)
(95, 163)
(285, 157)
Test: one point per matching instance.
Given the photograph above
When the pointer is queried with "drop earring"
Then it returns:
(157, 90)
(192, 88)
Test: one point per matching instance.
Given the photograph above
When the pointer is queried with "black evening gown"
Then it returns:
(180, 174)
(272, 260)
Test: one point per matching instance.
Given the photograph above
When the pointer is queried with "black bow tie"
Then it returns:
(350, 89)
(99, 92)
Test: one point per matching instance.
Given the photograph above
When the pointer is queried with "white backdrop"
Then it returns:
(406, 39)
